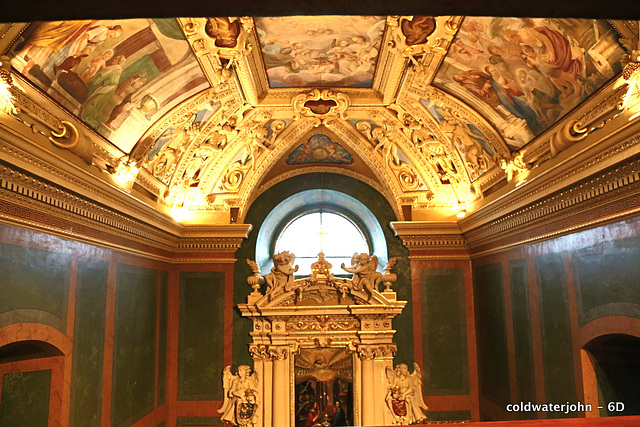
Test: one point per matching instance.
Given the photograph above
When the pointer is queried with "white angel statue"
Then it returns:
(240, 405)
(365, 276)
(404, 397)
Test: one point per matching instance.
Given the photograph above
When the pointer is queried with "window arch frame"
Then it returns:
(304, 202)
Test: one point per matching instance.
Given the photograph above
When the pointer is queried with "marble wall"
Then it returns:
(539, 307)
(133, 342)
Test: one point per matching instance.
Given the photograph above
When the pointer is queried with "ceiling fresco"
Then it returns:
(119, 77)
(204, 114)
(529, 72)
(324, 51)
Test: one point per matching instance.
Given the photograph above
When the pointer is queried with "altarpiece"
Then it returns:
(323, 350)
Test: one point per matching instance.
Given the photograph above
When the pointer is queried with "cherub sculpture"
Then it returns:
(404, 396)
(282, 272)
(365, 276)
(240, 405)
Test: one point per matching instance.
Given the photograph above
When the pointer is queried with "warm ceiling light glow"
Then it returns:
(6, 83)
(125, 174)
(461, 214)
(631, 74)
(179, 213)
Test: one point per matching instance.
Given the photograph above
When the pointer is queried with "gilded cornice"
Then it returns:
(432, 239)
(609, 196)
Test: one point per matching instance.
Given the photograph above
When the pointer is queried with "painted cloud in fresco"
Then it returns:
(525, 74)
(320, 50)
(117, 76)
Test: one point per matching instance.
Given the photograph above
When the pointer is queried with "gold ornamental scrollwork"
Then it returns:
(260, 352)
(66, 137)
(324, 106)
(279, 353)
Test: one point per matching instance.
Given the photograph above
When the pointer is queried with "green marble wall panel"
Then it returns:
(201, 336)
(162, 341)
(444, 339)
(607, 277)
(25, 399)
(134, 344)
(559, 376)
(380, 208)
(34, 286)
(88, 343)
(523, 344)
(493, 356)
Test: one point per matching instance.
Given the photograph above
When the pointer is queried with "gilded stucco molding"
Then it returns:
(430, 235)
(607, 196)
(423, 49)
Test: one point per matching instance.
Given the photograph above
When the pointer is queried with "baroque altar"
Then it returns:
(323, 350)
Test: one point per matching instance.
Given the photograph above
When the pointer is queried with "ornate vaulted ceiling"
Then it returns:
(201, 115)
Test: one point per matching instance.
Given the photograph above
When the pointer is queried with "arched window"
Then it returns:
(294, 225)
(328, 232)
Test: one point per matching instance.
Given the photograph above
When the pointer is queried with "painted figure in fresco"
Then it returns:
(511, 97)
(101, 88)
(551, 53)
(478, 83)
(466, 140)
(282, 272)
(404, 396)
(365, 276)
(62, 39)
(240, 397)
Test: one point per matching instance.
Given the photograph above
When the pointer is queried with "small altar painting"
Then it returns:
(324, 387)
(319, 149)
(337, 51)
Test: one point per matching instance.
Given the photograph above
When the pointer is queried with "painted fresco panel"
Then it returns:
(525, 74)
(470, 141)
(119, 77)
(320, 50)
(319, 148)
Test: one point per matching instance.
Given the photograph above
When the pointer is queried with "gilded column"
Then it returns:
(263, 366)
(368, 397)
(281, 399)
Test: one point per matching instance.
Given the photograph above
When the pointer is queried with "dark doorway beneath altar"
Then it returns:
(323, 387)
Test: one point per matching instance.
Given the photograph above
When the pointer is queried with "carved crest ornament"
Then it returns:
(310, 331)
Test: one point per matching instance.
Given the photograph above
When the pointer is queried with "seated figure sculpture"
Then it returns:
(365, 276)
(282, 272)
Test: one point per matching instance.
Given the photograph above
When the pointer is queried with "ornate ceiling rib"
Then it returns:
(438, 111)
